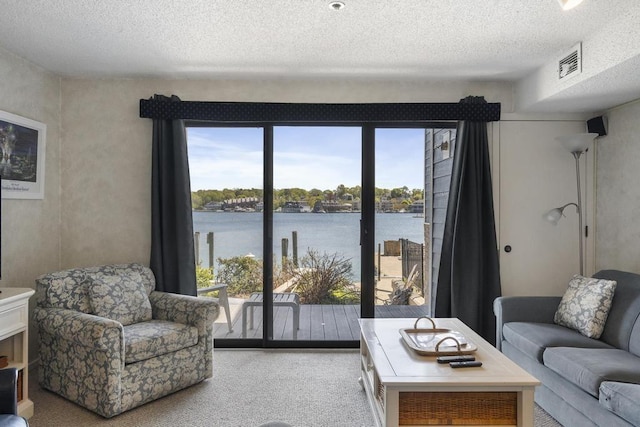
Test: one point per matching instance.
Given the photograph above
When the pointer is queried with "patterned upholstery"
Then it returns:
(119, 297)
(585, 305)
(155, 338)
(110, 368)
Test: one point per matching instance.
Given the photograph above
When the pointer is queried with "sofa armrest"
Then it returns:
(538, 309)
(185, 309)
(81, 328)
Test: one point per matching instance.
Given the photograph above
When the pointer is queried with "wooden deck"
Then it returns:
(317, 322)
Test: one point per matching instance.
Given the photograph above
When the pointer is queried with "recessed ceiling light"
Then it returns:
(336, 5)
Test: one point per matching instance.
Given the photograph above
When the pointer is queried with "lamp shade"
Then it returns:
(569, 4)
(553, 216)
(577, 142)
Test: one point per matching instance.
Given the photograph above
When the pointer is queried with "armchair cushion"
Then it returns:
(157, 337)
(120, 297)
(69, 292)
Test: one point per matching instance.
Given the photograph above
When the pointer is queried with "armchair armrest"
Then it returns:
(538, 309)
(185, 309)
(81, 328)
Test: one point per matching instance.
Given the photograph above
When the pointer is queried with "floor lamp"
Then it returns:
(576, 144)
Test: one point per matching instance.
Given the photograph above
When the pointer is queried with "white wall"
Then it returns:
(618, 191)
(536, 174)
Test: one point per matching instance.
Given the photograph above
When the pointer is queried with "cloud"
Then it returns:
(304, 157)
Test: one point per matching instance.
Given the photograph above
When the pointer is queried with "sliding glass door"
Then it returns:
(316, 213)
(226, 167)
(400, 226)
(301, 230)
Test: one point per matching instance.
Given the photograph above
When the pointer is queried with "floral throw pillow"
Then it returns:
(120, 298)
(585, 305)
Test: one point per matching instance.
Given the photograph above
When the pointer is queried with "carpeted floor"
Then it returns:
(249, 388)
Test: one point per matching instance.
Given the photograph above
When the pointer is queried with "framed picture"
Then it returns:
(22, 148)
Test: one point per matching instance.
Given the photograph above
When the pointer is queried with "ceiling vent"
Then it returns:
(570, 64)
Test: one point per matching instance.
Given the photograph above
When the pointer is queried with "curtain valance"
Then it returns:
(265, 112)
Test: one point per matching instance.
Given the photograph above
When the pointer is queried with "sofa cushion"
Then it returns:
(120, 297)
(156, 337)
(585, 305)
(623, 399)
(534, 338)
(588, 368)
(624, 311)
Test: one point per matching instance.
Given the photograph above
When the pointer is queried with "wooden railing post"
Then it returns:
(294, 241)
(285, 250)
(210, 243)
(196, 244)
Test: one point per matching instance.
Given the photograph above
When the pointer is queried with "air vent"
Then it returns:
(571, 64)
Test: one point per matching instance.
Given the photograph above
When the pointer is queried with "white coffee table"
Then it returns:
(407, 389)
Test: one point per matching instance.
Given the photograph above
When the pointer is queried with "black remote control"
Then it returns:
(465, 364)
(459, 358)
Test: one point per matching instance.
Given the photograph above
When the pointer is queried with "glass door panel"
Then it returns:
(316, 202)
(226, 167)
(400, 225)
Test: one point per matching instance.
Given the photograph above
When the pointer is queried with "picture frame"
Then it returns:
(22, 157)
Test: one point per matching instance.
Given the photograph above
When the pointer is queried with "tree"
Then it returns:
(196, 201)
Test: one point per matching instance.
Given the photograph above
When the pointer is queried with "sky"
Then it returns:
(304, 157)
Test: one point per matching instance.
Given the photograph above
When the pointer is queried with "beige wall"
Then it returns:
(97, 201)
(31, 228)
(106, 155)
(618, 191)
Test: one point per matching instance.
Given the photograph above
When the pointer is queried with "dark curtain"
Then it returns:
(172, 250)
(469, 275)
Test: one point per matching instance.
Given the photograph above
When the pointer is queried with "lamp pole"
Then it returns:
(576, 155)
(576, 144)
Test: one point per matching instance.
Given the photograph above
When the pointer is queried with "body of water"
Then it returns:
(238, 234)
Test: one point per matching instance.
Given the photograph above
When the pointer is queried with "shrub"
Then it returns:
(204, 276)
(243, 275)
(324, 279)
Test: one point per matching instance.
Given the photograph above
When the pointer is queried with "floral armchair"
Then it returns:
(109, 342)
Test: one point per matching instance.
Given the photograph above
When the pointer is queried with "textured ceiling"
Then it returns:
(486, 40)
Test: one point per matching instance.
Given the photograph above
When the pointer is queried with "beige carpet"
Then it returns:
(249, 388)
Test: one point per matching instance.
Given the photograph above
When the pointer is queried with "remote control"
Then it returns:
(459, 358)
(465, 364)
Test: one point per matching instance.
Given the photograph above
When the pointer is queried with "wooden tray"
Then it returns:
(436, 341)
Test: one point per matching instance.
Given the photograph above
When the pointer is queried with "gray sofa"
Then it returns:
(585, 382)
